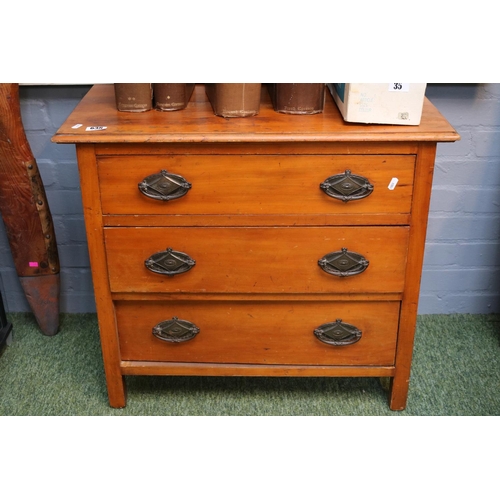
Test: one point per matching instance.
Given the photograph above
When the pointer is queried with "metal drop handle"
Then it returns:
(169, 262)
(338, 333)
(347, 186)
(343, 263)
(164, 186)
(175, 330)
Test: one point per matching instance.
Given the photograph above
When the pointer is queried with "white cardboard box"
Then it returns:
(387, 103)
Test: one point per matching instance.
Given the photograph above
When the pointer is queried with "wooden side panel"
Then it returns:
(104, 304)
(420, 209)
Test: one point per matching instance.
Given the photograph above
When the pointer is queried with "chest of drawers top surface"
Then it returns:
(198, 124)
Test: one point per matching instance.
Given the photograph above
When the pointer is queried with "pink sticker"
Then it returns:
(33, 264)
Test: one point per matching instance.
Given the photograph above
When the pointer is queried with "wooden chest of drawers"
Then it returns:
(274, 245)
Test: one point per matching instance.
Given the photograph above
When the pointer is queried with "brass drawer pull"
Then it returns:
(164, 186)
(347, 187)
(343, 263)
(175, 330)
(169, 262)
(338, 333)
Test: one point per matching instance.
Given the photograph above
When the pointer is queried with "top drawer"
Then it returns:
(257, 184)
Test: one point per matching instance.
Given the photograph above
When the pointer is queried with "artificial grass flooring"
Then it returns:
(455, 371)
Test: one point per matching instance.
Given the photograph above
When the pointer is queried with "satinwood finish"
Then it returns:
(254, 224)
(255, 185)
(257, 260)
(267, 332)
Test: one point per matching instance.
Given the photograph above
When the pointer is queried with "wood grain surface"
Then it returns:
(197, 124)
(256, 222)
(26, 214)
(256, 184)
(259, 332)
(257, 260)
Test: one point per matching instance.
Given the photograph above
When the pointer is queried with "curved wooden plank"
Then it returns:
(26, 214)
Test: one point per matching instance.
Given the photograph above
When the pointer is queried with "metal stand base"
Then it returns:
(5, 326)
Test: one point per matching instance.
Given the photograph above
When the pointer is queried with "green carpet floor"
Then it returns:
(456, 371)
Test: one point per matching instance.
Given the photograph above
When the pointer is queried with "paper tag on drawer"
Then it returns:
(393, 183)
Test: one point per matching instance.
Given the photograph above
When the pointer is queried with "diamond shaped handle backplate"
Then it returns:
(164, 186)
(343, 263)
(338, 333)
(347, 186)
(175, 330)
(169, 262)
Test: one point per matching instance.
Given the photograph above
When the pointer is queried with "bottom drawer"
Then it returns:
(261, 332)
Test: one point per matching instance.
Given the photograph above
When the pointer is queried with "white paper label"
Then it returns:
(399, 87)
(393, 183)
(78, 125)
(96, 128)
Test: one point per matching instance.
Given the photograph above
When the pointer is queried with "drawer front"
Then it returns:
(259, 332)
(257, 260)
(255, 184)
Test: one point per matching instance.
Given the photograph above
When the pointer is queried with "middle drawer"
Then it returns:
(257, 260)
